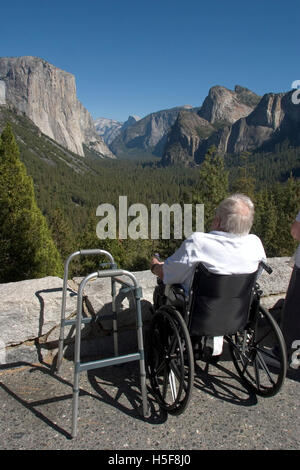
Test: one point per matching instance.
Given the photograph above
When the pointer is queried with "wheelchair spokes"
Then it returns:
(173, 387)
(259, 355)
(171, 366)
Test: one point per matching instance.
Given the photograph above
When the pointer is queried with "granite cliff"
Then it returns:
(188, 138)
(47, 95)
(147, 136)
(185, 137)
(233, 121)
(175, 134)
(273, 120)
(227, 106)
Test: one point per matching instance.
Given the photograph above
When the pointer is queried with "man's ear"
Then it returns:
(215, 223)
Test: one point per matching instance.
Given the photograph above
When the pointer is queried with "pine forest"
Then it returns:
(49, 199)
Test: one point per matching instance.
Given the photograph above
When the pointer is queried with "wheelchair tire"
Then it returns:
(259, 355)
(170, 360)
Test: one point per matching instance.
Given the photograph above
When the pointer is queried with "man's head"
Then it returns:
(234, 215)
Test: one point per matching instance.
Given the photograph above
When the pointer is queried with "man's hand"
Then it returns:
(295, 230)
(157, 267)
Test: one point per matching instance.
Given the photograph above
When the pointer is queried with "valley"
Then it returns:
(234, 141)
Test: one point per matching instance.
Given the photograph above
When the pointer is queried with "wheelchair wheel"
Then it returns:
(170, 361)
(259, 355)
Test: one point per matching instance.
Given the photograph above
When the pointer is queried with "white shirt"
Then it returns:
(297, 255)
(220, 252)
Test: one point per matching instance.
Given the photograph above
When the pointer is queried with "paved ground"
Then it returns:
(35, 412)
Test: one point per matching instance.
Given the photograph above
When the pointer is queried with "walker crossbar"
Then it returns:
(111, 361)
(79, 367)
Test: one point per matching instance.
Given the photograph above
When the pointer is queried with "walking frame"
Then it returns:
(79, 366)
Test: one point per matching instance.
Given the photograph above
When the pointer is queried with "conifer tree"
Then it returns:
(266, 221)
(212, 186)
(26, 247)
(245, 182)
(287, 198)
(275, 210)
(61, 233)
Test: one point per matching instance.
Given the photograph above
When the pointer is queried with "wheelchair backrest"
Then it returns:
(219, 303)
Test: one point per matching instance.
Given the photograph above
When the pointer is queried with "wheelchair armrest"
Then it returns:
(176, 296)
(173, 294)
(178, 289)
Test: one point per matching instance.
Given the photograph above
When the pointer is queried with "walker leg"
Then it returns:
(145, 405)
(77, 361)
(75, 404)
(115, 323)
(60, 350)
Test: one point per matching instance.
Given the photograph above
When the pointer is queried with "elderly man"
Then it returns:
(227, 249)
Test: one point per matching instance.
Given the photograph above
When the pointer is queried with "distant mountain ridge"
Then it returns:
(175, 134)
(233, 121)
(109, 129)
(275, 119)
(192, 130)
(147, 136)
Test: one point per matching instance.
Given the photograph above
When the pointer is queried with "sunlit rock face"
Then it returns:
(47, 95)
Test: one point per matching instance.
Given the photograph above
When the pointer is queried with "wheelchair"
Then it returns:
(217, 305)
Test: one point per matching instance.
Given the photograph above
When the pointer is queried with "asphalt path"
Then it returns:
(36, 412)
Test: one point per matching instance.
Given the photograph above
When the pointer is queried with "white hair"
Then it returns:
(236, 214)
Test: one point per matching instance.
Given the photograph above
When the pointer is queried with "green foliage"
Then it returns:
(203, 132)
(266, 219)
(128, 254)
(61, 232)
(265, 168)
(220, 124)
(276, 209)
(69, 188)
(244, 182)
(212, 185)
(26, 247)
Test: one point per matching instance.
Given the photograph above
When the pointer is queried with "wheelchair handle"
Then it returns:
(266, 267)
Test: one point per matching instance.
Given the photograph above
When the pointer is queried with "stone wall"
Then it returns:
(30, 313)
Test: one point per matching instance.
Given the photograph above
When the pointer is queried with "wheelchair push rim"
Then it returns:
(259, 355)
(171, 361)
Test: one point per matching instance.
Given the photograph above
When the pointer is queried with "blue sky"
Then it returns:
(137, 57)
